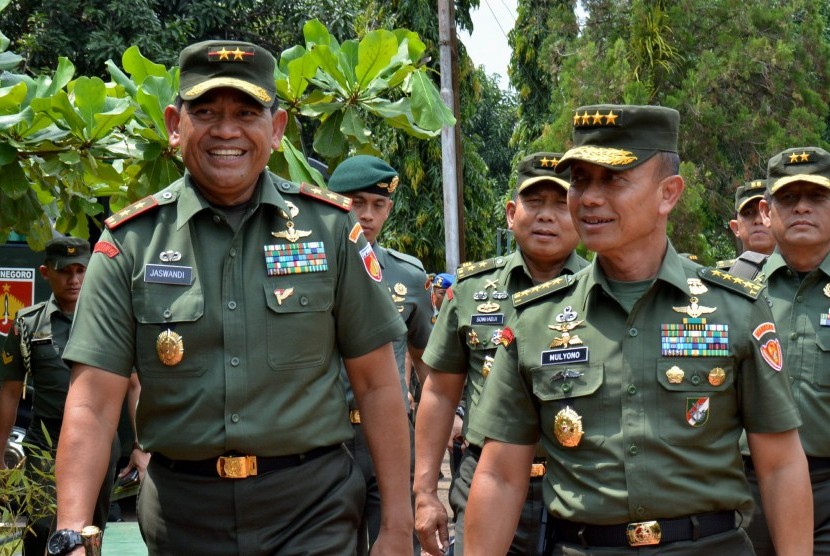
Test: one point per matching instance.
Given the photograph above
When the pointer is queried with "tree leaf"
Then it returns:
(352, 126)
(139, 67)
(374, 53)
(88, 95)
(13, 183)
(428, 107)
(329, 140)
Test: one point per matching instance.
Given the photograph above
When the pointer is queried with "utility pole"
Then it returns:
(450, 138)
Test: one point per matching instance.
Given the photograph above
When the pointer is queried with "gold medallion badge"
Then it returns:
(170, 348)
(567, 427)
(488, 364)
(717, 376)
(675, 375)
(400, 289)
(826, 290)
(488, 307)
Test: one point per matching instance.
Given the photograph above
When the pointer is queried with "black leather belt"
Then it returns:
(814, 464)
(537, 468)
(261, 464)
(643, 533)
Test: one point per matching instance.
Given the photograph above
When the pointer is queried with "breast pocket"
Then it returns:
(696, 399)
(299, 324)
(578, 387)
(822, 366)
(160, 308)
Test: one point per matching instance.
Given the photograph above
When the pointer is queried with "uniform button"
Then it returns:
(632, 390)
(789, 272)
(232, 252)
(633, 450)
(633, 332)
(799, 299)
(793, 335)
(284, 186)
(695, 380)
(216, 219)
(231, 305)
(166, 195)
(641, 510)
(235, 417)
(498, 261)
(235, 361)
(167, 313)
(566, 387)
(303, 301)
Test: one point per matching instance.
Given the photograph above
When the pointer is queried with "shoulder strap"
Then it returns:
(330, 197)
(748, 265)
(471, 269)
(536, 292)
(729, 281)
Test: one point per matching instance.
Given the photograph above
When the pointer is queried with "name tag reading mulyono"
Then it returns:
(168, 274)
(565, 356)
(497, 318)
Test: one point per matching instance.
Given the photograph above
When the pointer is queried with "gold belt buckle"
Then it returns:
(644, 533)
(236, 467)
(354, 416)
(537, 470)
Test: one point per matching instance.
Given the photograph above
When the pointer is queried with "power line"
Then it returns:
(495, 17)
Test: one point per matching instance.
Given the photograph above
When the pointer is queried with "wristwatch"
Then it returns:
(63, 541)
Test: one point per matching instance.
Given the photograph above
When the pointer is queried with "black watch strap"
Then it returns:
(63, 541)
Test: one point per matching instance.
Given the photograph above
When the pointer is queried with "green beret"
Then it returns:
(539, 168)
(810, 164)
(240, 65)
(750, 191)
(64, 251)
(619, 137)
(364, 173)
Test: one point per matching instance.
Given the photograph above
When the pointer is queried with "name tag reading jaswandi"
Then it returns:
(168, 274)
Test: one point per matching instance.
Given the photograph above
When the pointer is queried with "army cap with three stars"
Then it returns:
(749, 191)
(540, 168)
(621, 136)
(810, 164)
(240, 65)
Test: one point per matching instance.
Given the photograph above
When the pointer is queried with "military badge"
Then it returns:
(763, 328)
(170, 348)
(106, 248)
(488, 364)
(283, 294)
(292, 209)
(696, 286)
(480, 296)
(694, 310)
(824, 319)
(370, 263)
(291, 233)
(355, 233)
(826, 290)
(488, 307)
(717, 376)
(565, 373)
(505, 337)
(297, 258)
(17, 290)
(697, 411)
(567, 315)
(500, 295)
(566, 339)
(400, 289)
(771, 353)
(491, 284)
(567, 427)
(472, 338)
(7, 358)
(170, 256)
(675, 375)
(694, 337)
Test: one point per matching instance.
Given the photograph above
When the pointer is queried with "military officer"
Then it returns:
(638, 374)
(235, 294)
(756, 239)
(32, 355)
(440, 284)
(797, 210)
(370, 183)
(461, 349)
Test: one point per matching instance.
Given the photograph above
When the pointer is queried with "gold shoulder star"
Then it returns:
(545, 162)
(611, 118)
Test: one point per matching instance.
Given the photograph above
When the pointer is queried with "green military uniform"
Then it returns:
(464, 341)
(47, 330)
(237, 338)
(639, 418)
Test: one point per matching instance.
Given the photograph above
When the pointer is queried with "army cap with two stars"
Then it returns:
(809, 164)
(749, 191)
(540, 168)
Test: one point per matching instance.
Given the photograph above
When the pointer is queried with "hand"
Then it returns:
(392, 542)
(138, 460)
(431, 524)
(455, 433)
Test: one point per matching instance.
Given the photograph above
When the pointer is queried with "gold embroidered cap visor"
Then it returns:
(808, 164)
(540, 168)
(239, 65)
(619, 137)
(749, 192)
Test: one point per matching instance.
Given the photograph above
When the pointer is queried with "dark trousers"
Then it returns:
(757, 528)
(42, 471)
(313, 508)
(529, 534)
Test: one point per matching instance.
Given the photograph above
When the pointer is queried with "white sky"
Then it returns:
(487, 46)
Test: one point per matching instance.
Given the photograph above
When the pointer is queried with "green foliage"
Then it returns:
(65, 144)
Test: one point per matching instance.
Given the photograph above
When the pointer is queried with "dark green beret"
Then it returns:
(364, 173)
(750, 191)
(240, 65)
(64, 251)
(810, 164)
(540, 168)
(619, 137)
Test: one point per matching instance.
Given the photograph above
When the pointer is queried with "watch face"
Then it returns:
(62, 542)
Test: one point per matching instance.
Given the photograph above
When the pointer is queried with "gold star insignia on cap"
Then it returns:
(597, 118)
(611, 118)
(224, 53)
(804, 156)
(546, 162)
(586, 118)
(757, 184)
(238, 54)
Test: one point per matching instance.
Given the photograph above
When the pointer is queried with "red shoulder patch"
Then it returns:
(130, 212)
(106, 248)
(449, 293)
(330, 197)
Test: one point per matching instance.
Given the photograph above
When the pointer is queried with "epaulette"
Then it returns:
(131, 211)
(471, 269)
(536, 292)
(335, 199)
(406, 258)
(31, 309)
(731, 282)
(725, 264)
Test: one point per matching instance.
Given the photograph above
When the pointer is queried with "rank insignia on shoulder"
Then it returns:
(471, 269)
(7, 358)
(536, 292)
(330, 197)
(131, 211)
(729, 281)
